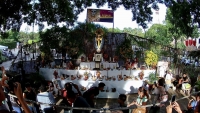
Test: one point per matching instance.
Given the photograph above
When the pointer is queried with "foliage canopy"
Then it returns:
(14, 13)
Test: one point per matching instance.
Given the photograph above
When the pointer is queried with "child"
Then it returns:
(121, 101)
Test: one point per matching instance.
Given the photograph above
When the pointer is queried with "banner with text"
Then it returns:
(99, 15)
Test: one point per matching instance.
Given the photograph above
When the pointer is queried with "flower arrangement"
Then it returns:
(86, 74)
(116, 58)
(105, 57)
(151, 58)
(125, 49)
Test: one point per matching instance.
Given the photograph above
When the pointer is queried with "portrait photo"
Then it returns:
(98, 57)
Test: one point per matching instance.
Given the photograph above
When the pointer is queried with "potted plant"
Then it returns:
(197, 86)
(152, 78)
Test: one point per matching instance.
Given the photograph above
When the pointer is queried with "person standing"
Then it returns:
(90, 94)
(57, 84)
(168, 80)
(30, 94)
(47, 98)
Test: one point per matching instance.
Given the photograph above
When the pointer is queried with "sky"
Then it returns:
(122, 19)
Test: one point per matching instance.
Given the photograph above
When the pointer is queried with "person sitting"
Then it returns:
(121, 102)
(142, 99)
(186, 84)
(45, 97)
(186, 79)
(92, 92)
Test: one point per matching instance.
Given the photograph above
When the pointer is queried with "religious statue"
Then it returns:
(99, 39)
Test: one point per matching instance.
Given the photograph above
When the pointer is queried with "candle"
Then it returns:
(113, 60)
(110, 59)
(93, 58)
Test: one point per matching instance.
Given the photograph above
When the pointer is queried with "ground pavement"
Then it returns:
(106, 103)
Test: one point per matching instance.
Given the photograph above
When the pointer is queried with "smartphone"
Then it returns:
(173, 98)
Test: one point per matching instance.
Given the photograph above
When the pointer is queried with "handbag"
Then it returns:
(139, 110)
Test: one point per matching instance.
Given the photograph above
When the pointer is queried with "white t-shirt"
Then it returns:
(168, 77)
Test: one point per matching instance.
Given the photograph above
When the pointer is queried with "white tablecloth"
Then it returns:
(91, 65)
(122, 87)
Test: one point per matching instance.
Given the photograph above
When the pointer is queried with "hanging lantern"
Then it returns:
(190, 41)
(194, 42)
(186, 42)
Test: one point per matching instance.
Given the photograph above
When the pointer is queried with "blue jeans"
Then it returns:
(32, 108)
(17, 109)
(48, 110)
(67, 111)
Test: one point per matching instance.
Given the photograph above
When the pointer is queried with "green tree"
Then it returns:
(115, 30)
(183, 15)
(159, 33)
(135, 31)
(13, 13)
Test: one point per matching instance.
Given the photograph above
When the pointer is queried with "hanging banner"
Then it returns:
(100, 15)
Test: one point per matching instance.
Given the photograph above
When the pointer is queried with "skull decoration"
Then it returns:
(93, 12)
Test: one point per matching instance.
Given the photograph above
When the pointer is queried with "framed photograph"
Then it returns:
(98, 57)
(97, 65)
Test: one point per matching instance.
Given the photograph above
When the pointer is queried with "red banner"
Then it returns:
(99, 15)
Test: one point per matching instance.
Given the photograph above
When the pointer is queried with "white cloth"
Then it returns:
(168, 77)
(161, 71)
(122, 86)
(57, 85)
(155, 91)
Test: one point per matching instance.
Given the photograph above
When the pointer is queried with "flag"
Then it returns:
(100, 15)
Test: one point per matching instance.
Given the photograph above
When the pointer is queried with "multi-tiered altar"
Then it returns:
(118, 80)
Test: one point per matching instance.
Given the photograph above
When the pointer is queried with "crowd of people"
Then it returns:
(43, 99)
